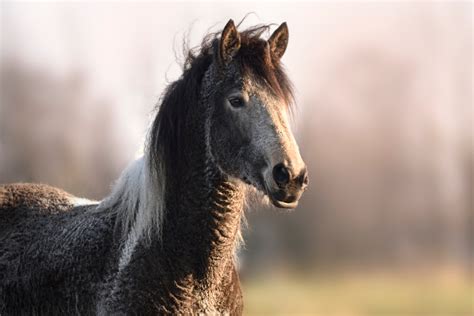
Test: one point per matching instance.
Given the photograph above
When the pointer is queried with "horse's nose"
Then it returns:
(283, 176)
(291, 182)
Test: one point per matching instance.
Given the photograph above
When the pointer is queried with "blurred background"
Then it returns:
(384, 122)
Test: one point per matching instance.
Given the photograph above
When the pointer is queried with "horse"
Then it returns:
(164, 241)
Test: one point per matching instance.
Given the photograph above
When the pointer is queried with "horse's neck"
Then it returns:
(204, 208)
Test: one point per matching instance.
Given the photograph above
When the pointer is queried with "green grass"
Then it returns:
(359, 294)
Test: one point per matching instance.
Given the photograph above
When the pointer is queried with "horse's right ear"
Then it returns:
(229, 44)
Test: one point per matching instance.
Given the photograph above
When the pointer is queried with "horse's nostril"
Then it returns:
(302, 179)
(281, 174)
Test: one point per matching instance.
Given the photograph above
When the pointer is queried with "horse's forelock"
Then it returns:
(254, 59)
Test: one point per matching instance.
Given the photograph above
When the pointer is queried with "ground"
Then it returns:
(361, 294)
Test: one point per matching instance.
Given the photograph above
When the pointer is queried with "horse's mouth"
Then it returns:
(282, 204)
(281, 199)
(278, 198)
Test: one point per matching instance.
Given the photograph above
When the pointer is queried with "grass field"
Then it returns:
(432, 294)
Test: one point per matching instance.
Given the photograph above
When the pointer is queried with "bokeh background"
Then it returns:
(384, 122)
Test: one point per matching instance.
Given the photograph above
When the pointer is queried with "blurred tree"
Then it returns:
(53, 131)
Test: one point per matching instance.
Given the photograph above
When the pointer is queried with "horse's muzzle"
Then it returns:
(288, 189)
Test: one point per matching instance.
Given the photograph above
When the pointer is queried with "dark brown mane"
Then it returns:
(254, 59)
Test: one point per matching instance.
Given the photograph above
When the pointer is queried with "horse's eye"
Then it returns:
(236, 102)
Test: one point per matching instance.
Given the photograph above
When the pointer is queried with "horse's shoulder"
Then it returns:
(40, 198)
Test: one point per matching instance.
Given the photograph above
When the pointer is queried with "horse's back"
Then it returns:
(33, 197)
(48, 248)
(21, 201)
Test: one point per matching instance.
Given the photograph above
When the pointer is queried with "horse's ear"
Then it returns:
(229, 44)
(279, 41)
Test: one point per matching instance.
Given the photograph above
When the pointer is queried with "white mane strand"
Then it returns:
(138, 199)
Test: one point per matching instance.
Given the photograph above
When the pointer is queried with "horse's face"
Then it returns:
(249, 133)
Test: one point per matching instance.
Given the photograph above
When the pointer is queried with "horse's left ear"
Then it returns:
(229, 44)
(279, 41)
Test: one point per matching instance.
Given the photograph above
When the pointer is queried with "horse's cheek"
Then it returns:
(225, 140)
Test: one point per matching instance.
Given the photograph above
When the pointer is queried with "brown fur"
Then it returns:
(41, 198)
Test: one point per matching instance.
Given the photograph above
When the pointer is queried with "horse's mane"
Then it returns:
(138, 195)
